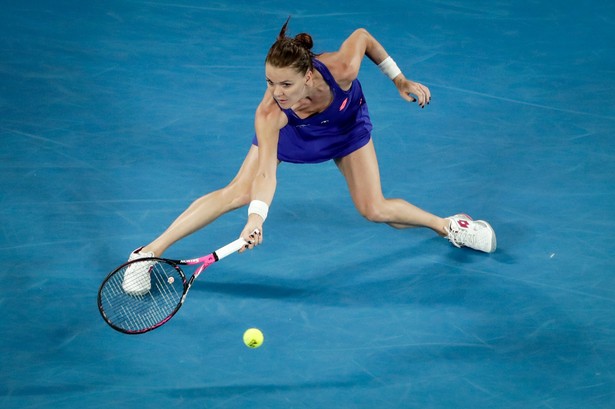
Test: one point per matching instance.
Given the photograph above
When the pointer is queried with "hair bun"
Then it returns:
(304, 40)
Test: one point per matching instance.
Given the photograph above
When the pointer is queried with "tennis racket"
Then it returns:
(143, 294)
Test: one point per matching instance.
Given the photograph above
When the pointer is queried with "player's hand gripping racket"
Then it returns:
(145, 293)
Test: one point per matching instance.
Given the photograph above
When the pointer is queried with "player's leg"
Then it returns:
(209, 207)
(362, 174)
(199, 214)
(360, 169)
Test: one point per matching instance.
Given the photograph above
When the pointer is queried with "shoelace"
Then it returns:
(461, 238)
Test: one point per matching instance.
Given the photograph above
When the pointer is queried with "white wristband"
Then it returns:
(389, 68)
(258, 207)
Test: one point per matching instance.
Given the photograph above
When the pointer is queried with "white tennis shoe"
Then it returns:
(137, 280)
(474, 234)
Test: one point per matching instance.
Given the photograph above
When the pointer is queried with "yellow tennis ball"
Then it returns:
(253, 338)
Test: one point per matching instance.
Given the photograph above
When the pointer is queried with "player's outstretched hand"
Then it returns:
(252, 233)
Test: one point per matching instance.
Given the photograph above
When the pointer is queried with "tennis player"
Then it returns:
(313, 111)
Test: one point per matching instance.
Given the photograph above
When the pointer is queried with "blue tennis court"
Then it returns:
(116, 115)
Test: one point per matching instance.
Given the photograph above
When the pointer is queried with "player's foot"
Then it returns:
(475, 234)
(137, 280)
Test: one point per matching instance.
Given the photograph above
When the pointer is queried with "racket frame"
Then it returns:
(203, 262)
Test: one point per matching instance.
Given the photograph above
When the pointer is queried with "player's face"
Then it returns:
(287, 86)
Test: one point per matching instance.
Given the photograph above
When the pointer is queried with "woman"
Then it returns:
(314, 110)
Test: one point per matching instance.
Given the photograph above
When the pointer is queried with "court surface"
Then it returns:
(115, 115)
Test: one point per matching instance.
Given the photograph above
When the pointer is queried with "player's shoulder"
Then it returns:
(345, 63)
(269, 111)
(339, 66)
(267, 106)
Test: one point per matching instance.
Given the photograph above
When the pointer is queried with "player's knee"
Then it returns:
(237, 195)
(240, 199)
(372, 212)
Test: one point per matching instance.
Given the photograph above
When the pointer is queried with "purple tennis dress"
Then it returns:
(339, 130)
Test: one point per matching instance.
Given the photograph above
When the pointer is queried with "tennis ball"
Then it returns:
(253, 338)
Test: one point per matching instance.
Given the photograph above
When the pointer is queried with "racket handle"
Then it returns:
(230, 248)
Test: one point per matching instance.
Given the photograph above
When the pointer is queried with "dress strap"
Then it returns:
(326, 74)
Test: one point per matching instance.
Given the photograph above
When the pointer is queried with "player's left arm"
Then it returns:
(361, 43)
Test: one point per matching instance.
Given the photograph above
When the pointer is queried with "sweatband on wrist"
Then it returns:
(389, 68)
(258, 207)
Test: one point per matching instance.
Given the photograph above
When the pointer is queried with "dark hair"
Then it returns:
(291, 52)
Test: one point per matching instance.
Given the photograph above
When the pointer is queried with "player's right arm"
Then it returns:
(268, 120)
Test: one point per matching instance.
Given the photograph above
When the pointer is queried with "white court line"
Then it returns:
(516, 101)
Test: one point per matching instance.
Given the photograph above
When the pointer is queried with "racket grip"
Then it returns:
(230, 248)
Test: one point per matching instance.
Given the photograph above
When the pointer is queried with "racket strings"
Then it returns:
(137, 303)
